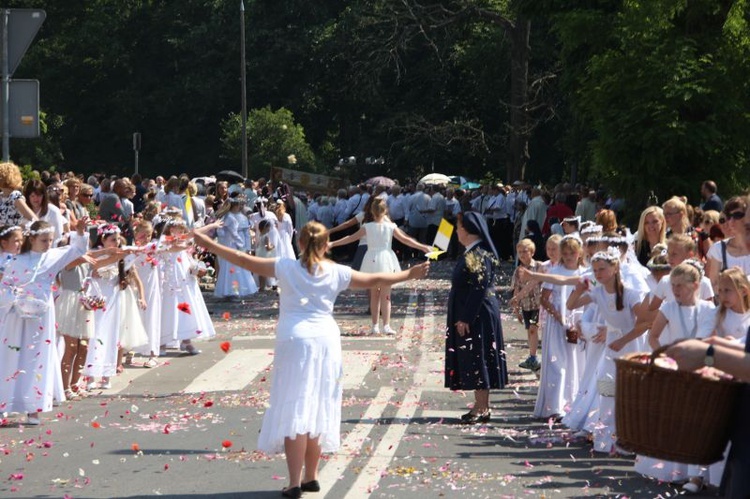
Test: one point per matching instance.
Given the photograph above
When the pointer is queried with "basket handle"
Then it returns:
(661, 350)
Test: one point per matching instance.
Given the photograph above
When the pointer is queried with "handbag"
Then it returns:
(25, 304)
(91, 295)
(571, 335)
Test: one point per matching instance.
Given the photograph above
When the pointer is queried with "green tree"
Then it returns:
(274, 140)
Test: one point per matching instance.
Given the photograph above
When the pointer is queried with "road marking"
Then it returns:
(125, 380)
(236, 370)
(357, 363)
(369, 477)
(343, 338)
(335, 467)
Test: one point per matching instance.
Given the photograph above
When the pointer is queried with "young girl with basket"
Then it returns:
(617, 306)
(559, 378)
(146, 264)
(684, 317)
(29, 361)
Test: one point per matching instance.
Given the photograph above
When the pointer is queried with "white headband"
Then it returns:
(610, 255)
(590, 229)
(8, 230)
(46, 230)
(109, 230)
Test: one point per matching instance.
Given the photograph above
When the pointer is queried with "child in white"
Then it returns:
(184, 313)
(686, 316)
(379, 257)
(29, 361)
(147, 265)
(232, 281)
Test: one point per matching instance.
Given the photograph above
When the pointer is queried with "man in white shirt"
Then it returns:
(536, 210)
(339, 208)
(312, 209)
(419, 207)
(435, 213)
(480, 203)
(395, 204)
(586, 208)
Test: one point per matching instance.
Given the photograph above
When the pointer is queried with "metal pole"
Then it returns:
(6, 88)
(136, 162)
(244, 89)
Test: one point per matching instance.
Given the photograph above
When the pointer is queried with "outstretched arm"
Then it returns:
(345, 225)
(363, 280)
(261, 266)
(410, 241)
(348, 239)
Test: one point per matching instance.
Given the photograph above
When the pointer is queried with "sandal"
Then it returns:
(70, 394)
(128, 359)
(472, 418)
(152, 362)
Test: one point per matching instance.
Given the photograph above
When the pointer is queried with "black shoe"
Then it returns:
(471, 418)
(294, 492)
(311, 486)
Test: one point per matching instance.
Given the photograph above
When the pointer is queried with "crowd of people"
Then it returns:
(95, 270)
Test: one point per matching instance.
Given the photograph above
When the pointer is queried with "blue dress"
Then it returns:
(475, 361)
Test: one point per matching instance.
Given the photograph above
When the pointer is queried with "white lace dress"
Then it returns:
(379, 256)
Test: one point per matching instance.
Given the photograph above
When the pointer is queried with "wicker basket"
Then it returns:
(673, 415)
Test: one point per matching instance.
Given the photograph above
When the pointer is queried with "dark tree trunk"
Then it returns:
(518, 140)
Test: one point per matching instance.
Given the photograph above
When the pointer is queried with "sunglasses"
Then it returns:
(722, 220)
(736, 215)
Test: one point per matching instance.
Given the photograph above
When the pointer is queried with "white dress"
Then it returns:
(379, 256)
(233, 280)
(306, 388)
(132, 331)
(558, 383)
(29, 360)
(180, 288)
(286, 234)
(147, 265)
(101, 358)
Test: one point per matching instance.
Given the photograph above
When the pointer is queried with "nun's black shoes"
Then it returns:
(294, 492)
(311, 486)
(472, 418)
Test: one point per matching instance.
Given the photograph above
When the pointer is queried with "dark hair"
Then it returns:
(263, 225)
(37, 187)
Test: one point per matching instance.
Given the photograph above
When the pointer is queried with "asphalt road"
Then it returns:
(189, 427)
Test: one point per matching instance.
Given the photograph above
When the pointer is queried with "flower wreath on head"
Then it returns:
(108, 230)
(591, 229)
(8, 230)
(695, 264)
(37, 232)
(611, 254)
(175, 222)
(572, 236)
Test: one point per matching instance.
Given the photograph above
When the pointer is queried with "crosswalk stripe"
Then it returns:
(357, 363)
(222, 376)
(370, 476)
(343, 338)
(334, 467)
(124, 381)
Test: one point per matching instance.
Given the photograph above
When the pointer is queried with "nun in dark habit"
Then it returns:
(474, 349)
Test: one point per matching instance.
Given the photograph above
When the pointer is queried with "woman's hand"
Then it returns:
(81, 225)
(206, 228)
(142, 303)
(582, 285)
(601, 335)
(419, 271)
(689, 354)
(618, 344)
(462, 328)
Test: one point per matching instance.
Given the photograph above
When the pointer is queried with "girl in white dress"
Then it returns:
(304, 416)
(184, 313)
(559, 376)
(617, 305)
(29, 361)
(11, 239)
(686, 316)
(264, 248)
(233, 281)
(286, 232)
(148, 267)
(380, 258)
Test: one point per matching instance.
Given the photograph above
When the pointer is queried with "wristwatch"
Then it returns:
(709, 360)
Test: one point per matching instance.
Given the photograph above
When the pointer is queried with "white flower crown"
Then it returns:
(46, 230)
(8, 230)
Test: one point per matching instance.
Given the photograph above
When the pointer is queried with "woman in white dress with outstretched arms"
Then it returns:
(304, 416)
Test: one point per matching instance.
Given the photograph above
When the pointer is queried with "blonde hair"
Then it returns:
(10, 176)
(739, 281)
(554, 239)
(687, 272)
(313, 239)
(526, 243)
(683, 240)
(378, 207)
(641, 234)
(144, 226)
(572, 243)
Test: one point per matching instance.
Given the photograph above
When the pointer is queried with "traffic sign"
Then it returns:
(23, 111)
(23, 25)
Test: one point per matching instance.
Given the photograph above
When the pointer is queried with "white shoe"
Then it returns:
(32, 419)
(374, 329)
(693, 487)
(387, 330)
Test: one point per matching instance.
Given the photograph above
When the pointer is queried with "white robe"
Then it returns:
(29, 361)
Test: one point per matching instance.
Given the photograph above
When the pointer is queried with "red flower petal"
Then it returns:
(225, 346)
(226, 444)
(184, 307)
(135, 447)
(226, 316)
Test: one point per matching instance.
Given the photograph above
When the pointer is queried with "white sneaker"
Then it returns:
(387, 330)
(32, 419)
(374, 329)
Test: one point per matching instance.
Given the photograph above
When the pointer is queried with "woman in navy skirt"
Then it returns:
(474, 350)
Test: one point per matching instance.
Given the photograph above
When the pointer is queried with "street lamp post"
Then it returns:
(244, 89)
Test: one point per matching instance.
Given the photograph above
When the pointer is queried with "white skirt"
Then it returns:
(380, 260)
(305, 394)
(132, 332)
(72, 318)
